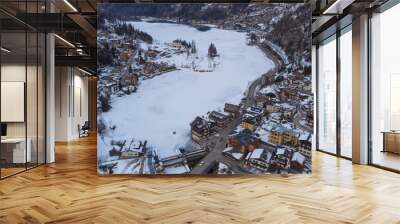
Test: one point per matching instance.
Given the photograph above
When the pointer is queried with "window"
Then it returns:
(22, 78)
(327, 96)
(385, 89)
(346, 93)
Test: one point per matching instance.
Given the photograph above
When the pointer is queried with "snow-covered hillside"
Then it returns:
(163, 107)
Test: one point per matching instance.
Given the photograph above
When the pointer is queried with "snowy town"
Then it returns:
(229, 123)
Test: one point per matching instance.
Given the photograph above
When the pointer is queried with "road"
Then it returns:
(215, 155)
(250, 97)
(209, 160)
(205, 164)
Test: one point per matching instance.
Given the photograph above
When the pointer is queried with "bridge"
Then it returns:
(183, 158)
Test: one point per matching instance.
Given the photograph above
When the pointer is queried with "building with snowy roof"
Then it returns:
(244, 141)
(232, 109)
(281, 134)
(249, 123)
(201, 129)
(233, 153)
(281, 157)
(221, 119)
(305, 144)
(259, 158)
(297, 161)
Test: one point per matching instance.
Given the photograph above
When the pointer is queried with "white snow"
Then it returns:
(176, 169)
(269, 89)
(168, 103)
(256, 154)
(127, 166)
(237, 155)
(222, 168)
(304, 136)
(227, 149)
(263, 134)
(298, 157)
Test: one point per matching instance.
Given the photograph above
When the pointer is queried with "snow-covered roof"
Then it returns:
(254, 109)
(304, 136)
(268, 89)
(222, 166)
(217, 115)
(263, 134)
(176, 169)
(280, 151)
(237, 155)
(227, 149)
(298, 157)
(256, 154)
(287, 106)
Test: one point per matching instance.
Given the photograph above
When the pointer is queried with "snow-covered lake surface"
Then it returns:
(168, 103)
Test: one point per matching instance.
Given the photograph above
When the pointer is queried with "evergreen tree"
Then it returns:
(193, 49)
(212, 51)
(253, 38)
(101, 127)
(105, 103)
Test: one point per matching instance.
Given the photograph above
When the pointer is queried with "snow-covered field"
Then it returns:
(163, 107)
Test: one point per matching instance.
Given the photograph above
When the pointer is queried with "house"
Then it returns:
(135, 149)
(281, 135)
(276, 117)
(221, 119)
(201, 129)
(281, 157)
(244, 141)
(305, 145)
(267, 79)
(125, 55)
(152, 53)
(129, 154)
(288, 111)
(129, 79)
(177, 44)
(297, 161)
(233, 153)
(112, 87)
(261, 100)
(249, 123)
(255, 110)
(259, 158)
(310, 119)
(288, 94)
(306, 86)
(309, 109)
(253, 113)
(262, 134)
(232, 109)
(116, 71)
(272, 108)
(276, 135)
(150, 68)
(298, 74)
(270, 92)
(290, 137)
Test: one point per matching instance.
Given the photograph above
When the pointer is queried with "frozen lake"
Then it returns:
(168, 103)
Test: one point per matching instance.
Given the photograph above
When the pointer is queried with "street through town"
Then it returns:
(215, 155)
